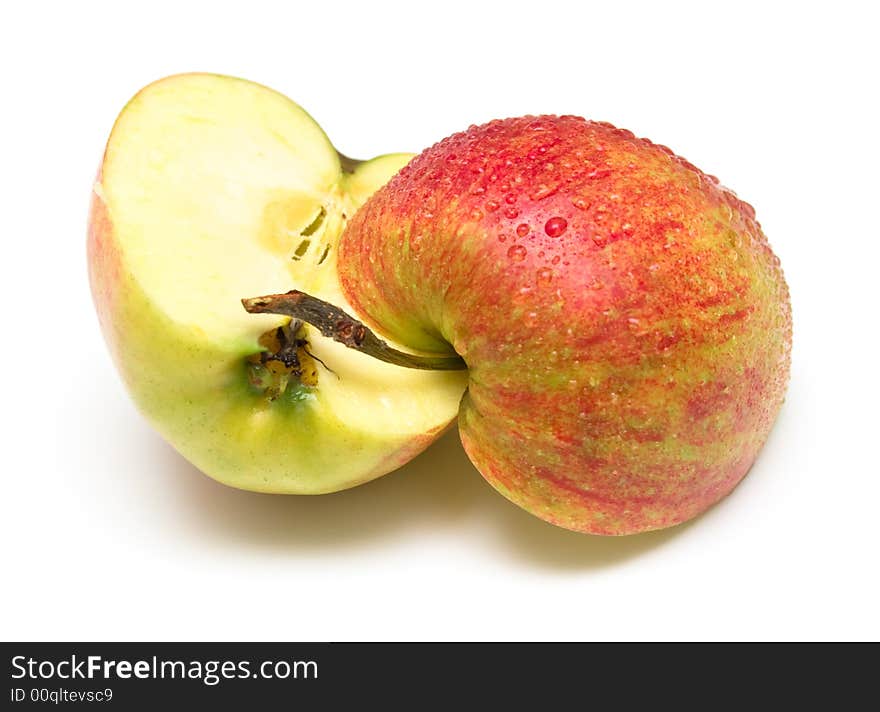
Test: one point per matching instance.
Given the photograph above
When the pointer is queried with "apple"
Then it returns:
(625, 324)
(212, 189)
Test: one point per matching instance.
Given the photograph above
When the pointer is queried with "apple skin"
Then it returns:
(626, 326)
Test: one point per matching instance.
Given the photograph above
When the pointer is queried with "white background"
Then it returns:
(108, 534)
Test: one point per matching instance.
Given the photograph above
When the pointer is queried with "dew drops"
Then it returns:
(491, 206)
(543, 191)
(580, 203)
(545, 275)
(522, 230)
(555, 226)
(511, 213)
(510, 198)
(476, 214)
(517, 253)
(555, 260)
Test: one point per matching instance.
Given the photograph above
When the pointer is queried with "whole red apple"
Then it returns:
(625, 324)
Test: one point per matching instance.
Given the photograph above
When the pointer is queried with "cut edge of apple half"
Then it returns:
(213, 189)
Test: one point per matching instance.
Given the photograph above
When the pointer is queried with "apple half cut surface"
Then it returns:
(213, 189)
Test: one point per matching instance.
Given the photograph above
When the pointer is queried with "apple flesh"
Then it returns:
(213, 189)
(626, 326)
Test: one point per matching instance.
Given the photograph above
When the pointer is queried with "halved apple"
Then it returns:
(213, 189)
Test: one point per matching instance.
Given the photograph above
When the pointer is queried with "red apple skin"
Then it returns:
(626, 325)
(105, 266)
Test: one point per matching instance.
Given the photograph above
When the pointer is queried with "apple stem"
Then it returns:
(335, 324)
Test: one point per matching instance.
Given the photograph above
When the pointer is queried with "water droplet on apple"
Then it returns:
(522, 229)
(555, 226)
(476, 214)
(510, 198)
(511, 213)
(543, 191)
(555, 260)
(580, 203)
(545, 275)
(517, 253)
(491, 206)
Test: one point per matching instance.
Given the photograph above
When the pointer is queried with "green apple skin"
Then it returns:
(189, 376)
(626, 326)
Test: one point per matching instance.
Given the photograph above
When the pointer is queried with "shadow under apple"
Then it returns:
(438, 490)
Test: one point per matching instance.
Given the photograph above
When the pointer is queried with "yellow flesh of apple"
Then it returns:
(219, 189)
